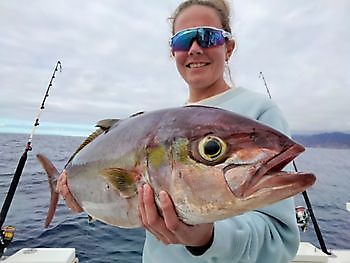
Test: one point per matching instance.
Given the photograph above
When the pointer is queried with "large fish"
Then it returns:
(213, 163)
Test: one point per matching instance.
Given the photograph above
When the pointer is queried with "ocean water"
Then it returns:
(98, 242)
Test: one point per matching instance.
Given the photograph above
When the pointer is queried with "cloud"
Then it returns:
(116, 59)
(301, 48)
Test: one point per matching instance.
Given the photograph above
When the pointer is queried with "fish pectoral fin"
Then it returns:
(122, 180)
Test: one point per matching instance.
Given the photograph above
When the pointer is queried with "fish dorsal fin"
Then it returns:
(106, 124)
(136, 114)
(122, 180)
(102, 126)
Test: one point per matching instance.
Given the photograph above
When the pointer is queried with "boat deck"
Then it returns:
(308, 253)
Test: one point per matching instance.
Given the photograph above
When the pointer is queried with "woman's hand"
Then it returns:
(169, 229)
(63, 190)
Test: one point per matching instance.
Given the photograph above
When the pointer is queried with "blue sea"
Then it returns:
(98, 242)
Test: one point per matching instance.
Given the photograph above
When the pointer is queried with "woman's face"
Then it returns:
(201, 68)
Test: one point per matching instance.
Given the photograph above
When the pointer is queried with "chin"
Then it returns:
(199, 81)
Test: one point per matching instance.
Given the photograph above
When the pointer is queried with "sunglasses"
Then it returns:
(205, 37)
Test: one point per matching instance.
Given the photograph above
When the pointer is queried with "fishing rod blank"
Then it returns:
(21, 163)
(305, 195)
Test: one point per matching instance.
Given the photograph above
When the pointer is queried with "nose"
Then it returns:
(195, 49)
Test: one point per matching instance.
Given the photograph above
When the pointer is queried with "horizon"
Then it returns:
(16, 126)
(45, 128)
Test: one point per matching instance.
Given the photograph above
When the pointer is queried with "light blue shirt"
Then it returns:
(267, 235)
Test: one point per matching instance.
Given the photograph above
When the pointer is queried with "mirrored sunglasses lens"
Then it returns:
(210, 37)
(205, 37)
(183, 41)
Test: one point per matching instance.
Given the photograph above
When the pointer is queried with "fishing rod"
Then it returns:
(305, 195)
(6, 233)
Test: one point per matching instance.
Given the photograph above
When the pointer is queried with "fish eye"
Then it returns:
(211, 148)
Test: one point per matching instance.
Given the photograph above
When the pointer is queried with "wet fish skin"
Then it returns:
(213, 163)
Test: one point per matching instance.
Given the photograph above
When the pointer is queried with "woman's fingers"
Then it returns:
(72, 203)
(150, 217)
(188, 235)
(182, 232)
(63, 190)
(171, 219)
(168, 228)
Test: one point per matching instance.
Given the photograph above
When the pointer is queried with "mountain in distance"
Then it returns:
(338, 140)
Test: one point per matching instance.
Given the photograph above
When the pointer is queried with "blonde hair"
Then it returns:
(220, 6)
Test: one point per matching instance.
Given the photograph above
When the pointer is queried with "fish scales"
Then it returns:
(213, 163)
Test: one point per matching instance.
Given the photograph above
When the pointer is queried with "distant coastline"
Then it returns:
(336, 140)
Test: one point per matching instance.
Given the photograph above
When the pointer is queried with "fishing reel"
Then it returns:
(6, 235)
(303, 217)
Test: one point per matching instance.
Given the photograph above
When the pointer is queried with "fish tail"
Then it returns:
(52, 175)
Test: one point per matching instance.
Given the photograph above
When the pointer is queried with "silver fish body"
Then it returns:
(213, 163)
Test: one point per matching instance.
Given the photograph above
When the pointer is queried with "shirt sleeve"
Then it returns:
(273, 117)
(269, 234)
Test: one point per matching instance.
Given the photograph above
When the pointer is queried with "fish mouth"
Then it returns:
(266, 176)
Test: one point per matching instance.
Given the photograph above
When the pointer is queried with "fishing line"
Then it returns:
(305, 195)
(6, 234)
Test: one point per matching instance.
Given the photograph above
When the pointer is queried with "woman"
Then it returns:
(201, 46)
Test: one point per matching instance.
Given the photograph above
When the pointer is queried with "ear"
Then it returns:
(230, 48)
(171, 53)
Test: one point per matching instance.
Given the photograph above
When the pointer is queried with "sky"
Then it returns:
(116, 61)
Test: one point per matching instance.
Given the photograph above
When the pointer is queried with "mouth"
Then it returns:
(278, 162)
(266, 175)
(283, 184)
(197, 64)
